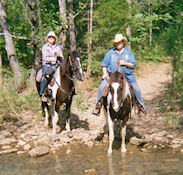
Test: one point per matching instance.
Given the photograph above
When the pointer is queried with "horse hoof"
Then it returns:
(123, 150)
(46, 125)
(109, 153)
(54, 132)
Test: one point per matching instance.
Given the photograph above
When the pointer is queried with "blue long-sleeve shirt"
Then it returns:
(111, 58)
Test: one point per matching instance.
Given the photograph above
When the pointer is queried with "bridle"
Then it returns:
(74, 70)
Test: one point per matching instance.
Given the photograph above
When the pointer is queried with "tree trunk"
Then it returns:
(19, 81)
(1, 73)
(128, 29)
(90, 28)
(71, 26)
(39, 17)
(37, 54)
(150, 23)
(62, 8)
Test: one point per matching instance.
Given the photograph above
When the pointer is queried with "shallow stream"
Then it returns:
(83, 159)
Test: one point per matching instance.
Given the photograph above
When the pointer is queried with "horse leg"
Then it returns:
(111, 134)
(123, 135)
(45, 113)
(54, 116)
(68, 111)
(106, 127)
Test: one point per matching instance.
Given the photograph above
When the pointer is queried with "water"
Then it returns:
(81, 158)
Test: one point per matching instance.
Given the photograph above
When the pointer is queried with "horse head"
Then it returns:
(118, 90)
(76, 66)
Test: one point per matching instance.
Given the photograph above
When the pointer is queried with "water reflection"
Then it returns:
(111, 170)
(75, 160)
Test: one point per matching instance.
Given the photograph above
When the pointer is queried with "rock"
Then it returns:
(6, 147)
(27, 147)
(5, 134)
(174, 146)
(89, 143)
(34, 137)
(8, 151)
(44, 141)
(136, 141)
(90, 172)
(20, 152)
(181, 150)
(56, 137)
(144, 150)
(158, 139)
(8, 141)
(21, 143)
(161, 133)
(39, 151)
(68, 151)
(30, 132)
(169, 136)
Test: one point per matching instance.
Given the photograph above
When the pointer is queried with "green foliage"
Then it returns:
(12, 104)
(171, 120)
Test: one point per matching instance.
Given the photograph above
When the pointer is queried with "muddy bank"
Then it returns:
(28, 135)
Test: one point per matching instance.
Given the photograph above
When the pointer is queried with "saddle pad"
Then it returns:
(39, 75)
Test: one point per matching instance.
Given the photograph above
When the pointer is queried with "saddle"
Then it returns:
(39, 78)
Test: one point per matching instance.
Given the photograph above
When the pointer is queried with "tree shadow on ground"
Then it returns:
(75, 122)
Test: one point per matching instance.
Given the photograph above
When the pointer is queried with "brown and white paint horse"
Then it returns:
(118, 106)
(62, 90)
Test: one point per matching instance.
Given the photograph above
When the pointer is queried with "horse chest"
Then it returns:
(123, 112)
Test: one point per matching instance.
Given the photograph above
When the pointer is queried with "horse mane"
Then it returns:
(64, 65)
(117, 77)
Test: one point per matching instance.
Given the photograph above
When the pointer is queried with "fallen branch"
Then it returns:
(13, 36)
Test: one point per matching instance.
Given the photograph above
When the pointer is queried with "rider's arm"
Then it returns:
(104, 71)
(127, 64)
(59, 52)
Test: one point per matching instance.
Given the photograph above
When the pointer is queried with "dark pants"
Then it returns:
(48, 71)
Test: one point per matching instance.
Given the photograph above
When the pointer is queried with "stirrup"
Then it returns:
(96, 111)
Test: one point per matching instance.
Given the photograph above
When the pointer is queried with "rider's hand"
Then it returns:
(58, 54)
(122, 62)
(53, 59)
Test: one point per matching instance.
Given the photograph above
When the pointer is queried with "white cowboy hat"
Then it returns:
(51, 33)
(119, 37)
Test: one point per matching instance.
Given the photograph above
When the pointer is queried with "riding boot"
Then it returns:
(43, 85)
(98, 106)
(141, 110)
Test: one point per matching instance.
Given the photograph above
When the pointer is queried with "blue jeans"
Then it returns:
(136, 89)
(47, 74)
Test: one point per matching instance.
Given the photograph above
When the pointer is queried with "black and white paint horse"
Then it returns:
(118, 106)
(62, 89)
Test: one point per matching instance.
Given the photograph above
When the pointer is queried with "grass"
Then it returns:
(13, 104)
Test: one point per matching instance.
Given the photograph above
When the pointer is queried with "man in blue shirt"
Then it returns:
(119, 59)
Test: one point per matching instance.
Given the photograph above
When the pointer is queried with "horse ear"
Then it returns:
(122, 75)
(78, 50)
(69, 53)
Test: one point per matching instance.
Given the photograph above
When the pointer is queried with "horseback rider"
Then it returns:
(50, 52)
(119, 59)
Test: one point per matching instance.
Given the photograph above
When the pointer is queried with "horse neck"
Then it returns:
(66, 68)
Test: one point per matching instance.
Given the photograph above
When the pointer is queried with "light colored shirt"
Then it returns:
(48, 52)
(111, 58)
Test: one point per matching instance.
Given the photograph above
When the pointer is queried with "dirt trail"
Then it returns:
(154, 81)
